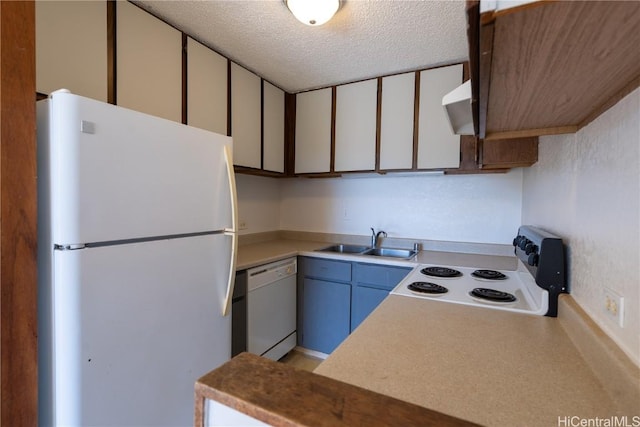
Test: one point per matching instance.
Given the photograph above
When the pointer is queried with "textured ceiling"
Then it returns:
(364, 39)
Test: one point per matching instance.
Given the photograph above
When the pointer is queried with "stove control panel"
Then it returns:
(543, 254)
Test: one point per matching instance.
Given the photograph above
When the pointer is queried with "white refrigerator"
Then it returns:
(137, 245)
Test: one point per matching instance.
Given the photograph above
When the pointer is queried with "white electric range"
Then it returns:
(533, 288)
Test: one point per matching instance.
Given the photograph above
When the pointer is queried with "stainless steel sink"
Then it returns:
(345, 249)
(391, 252)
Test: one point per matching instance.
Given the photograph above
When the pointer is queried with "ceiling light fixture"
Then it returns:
(313, 12)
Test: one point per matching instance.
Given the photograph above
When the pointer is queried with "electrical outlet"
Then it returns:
(614, 306)
(242, 225)
(346, 212)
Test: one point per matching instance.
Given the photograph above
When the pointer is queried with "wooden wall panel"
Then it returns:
(18, 216)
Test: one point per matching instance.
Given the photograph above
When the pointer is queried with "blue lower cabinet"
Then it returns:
(336, 296)
(371, 284)
(364, 301)
(326, 308)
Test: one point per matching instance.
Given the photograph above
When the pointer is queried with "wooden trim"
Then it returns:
(416, 120)
(484, 73)
(378, 123)
(289, 134)
(185, 79)
(229, 97)
(626, 90)
(18, 217)
(255, 171)
(112, 57)
(531, 132)
(474, 171)
(468, 153)
(509, 153)
(332, 160)
(473, 37)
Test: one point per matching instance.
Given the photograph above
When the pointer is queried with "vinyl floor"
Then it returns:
(301, 360)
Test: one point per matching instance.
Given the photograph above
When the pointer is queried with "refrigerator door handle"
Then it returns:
(228, 156)
(232, 272)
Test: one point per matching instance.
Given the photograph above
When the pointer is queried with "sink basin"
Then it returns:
(345, 249)
(391, 252)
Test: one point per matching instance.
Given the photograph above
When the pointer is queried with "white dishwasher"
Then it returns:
(271, 309)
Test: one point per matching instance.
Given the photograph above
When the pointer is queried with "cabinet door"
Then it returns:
(438, 147)
(71, 48)
(372, 285)
(356, 107)
(313, 131)
(149, 58)
(245, 117)
(396, 125)
(206, 88)
(273, 128)
(326, 308)
(365, 300)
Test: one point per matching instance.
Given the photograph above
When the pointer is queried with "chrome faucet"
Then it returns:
(376, 236)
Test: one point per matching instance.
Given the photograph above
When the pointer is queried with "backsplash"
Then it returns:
(258, 203)
(479, 208)
(458, 208)
(586, 188)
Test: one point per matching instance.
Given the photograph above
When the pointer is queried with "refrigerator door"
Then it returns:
(117, 174)
(134, 326)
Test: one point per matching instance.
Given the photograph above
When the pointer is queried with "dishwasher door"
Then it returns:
(271, 309)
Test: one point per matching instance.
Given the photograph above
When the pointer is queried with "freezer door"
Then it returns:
(115, 174)
(133, 327)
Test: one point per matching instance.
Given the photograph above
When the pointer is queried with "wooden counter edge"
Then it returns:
(281, 395)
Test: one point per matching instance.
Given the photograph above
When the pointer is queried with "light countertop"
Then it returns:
(487, 366)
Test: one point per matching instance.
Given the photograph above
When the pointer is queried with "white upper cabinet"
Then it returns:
(71, 47)
(356, 106)
(438, 147)
(273, 128)
(246, 126)
(396, 126)
(313, 131)
(206, 88)
(149, 63)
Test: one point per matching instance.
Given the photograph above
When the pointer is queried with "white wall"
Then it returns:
(463, 208)
(586, 188)
(258, 203)
(459, 208)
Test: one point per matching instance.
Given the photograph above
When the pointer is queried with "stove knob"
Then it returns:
(530, 248)
(523, 243)
(516, 241)
(533, 260)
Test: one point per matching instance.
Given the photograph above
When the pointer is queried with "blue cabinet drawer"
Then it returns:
(382, 276)
(327, 269)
